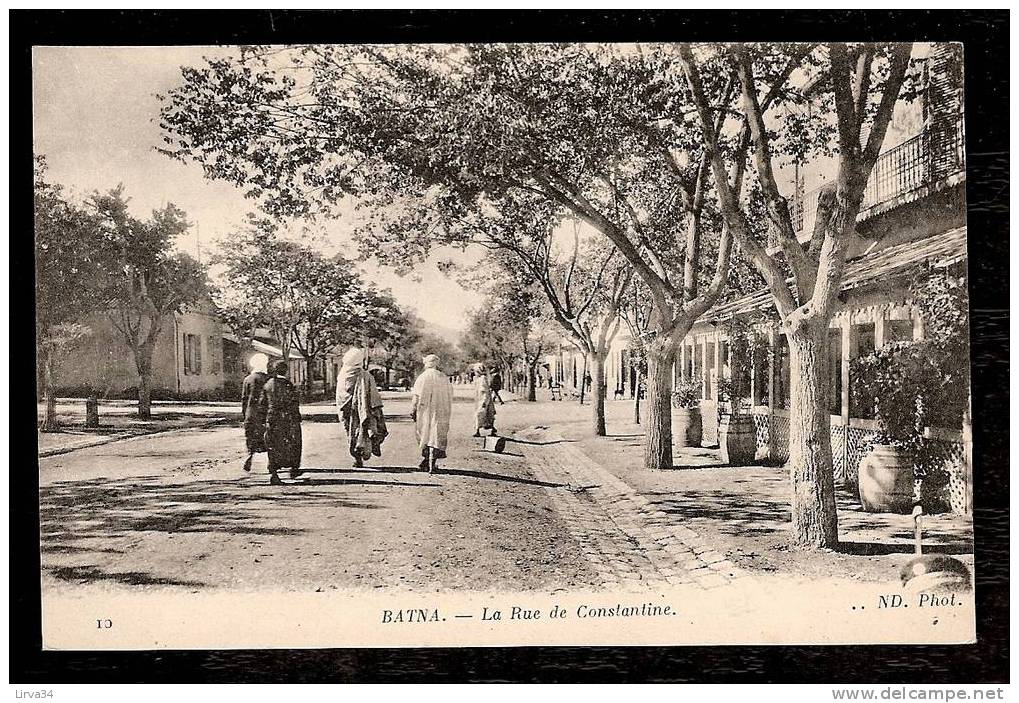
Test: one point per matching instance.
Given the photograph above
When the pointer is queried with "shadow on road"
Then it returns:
(91, 574)
(357, 482)
(443, 470)
(79, 518)
(881, 548)
(538, 444)
(498, 477)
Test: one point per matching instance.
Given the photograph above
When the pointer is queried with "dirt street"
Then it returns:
(177, 511)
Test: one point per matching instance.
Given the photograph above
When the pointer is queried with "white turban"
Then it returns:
(353, 357)
(431, 361)
(258, 362)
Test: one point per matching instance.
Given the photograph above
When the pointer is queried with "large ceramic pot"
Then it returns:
(686, 427)
(737, 439)
(886, 480)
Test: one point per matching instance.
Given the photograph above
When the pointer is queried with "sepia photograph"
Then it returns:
(424, 344)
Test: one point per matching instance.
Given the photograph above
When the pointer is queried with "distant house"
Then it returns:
(187, 361)
(237, 354)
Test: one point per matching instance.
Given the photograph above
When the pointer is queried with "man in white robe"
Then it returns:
(431, 407)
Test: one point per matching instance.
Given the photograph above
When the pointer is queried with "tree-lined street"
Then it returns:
(634, 226)
(176, 511)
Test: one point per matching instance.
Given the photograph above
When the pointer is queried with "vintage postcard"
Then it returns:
(409, 345)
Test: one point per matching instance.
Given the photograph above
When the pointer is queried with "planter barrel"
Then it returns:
(737, 439)
(686, 427)
(886, 481)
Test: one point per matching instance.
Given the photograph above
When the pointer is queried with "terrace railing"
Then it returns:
(925, 160)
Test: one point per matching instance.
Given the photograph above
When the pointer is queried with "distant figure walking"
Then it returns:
(430, 407)
(251, 410)
(483, 404)
(495, 381)
(359, 406)
(282, 410)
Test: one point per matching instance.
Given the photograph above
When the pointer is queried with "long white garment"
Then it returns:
(433, 400)
(484, 405)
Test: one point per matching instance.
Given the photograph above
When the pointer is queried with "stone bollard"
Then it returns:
(92, 411)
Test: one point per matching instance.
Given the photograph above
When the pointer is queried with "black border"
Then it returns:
(985, 35)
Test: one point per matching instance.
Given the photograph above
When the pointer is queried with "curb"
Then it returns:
(110, 439)
(687, 553)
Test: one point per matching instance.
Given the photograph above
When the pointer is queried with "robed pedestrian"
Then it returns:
(484, 405)
(495, 382)
(251, 410)
(281, 404)
(430, 408)
(359, 406)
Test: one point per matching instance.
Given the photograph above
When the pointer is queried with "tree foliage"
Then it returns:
(146, 280)
(311, 302)
(71, 258)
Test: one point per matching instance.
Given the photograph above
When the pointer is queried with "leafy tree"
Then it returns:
(398, 350)
(147, 281)
(510, 327)
(583, 282)
(308, 301)
(636, 312)
(70, 264)
(601, 132)
(263, 280)
(333, 306)
(859, 89)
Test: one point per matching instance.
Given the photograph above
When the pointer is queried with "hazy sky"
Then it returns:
(96, 120)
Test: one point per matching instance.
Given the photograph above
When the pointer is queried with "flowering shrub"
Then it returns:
(921, 384)
(743, 346)
(687, 393)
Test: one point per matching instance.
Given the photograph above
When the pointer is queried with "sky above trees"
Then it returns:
(95, 121)
(95, 110)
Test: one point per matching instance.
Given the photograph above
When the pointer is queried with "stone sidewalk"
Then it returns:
(631, 543)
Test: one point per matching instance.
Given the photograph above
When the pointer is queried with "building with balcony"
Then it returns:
(913, 218)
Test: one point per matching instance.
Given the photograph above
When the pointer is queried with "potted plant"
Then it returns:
(736, 436)
(887, 381)
(686, 413)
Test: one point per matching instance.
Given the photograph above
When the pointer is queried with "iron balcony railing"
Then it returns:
(932, 156)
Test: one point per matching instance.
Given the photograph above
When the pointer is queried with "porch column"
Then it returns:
(705, 381)
(772, 371)
(917, 324)
(718, 364)
(772, 376)
(847, 345)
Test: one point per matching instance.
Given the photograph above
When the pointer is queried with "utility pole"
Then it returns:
(198, 240)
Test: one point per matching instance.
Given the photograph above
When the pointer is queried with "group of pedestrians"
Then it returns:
(270, 405)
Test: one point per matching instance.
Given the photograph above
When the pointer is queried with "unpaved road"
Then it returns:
(176, 511)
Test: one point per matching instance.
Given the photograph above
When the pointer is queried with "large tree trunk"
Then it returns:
(309, 365)
(658, 431)
(532, 394)
(636, 399)
(583, 381)
(50, 421)
(597, 364)
(815, 522)
(145, 394)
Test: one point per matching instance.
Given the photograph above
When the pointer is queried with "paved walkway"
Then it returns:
(629, 542)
